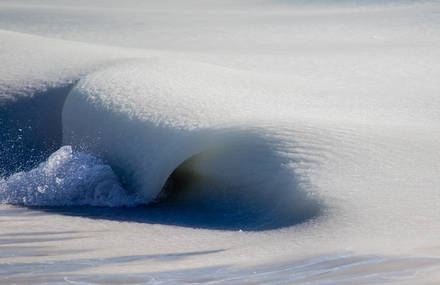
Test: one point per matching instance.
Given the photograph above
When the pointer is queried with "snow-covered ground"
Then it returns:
(274, 142)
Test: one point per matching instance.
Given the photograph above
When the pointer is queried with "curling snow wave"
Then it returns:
(341, 126)
(189, 131)
(316, 120)
(146, 118)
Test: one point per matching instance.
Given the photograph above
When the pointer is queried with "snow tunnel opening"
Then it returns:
(242, 185)
(181, 181)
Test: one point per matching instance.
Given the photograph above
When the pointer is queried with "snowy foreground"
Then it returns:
(220, 142)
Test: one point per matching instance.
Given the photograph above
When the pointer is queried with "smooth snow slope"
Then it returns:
(315, 125)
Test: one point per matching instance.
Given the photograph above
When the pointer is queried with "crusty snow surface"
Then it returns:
(274, 141)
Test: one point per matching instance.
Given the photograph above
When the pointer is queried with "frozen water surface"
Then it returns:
(219, 142)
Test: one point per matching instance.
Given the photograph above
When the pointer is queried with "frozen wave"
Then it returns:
(338, 109)
(194, 133)
(66, 179)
